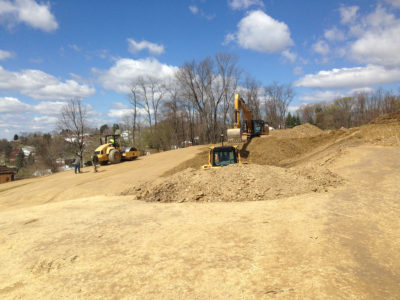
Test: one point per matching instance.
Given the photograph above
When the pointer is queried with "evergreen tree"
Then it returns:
(297, 120)
(103, 128)
(290, 121)
(20, 159)
(115, 127)
(31, 159)
(15, 137)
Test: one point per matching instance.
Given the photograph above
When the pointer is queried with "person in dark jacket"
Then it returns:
(95, 161)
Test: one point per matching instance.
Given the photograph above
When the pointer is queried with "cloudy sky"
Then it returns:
(52, 51)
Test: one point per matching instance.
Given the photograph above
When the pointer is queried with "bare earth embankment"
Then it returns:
(319, 221)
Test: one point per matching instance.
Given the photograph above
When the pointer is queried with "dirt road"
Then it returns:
(340, 244)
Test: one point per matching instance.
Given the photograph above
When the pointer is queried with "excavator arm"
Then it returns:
(240, 105)
(254, 127)
(235, 135)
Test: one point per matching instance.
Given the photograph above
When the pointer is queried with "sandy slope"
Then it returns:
(71, 236)
(341, 244)
(110, 180)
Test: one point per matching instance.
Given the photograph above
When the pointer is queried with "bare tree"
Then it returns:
(151, 92)
(277, 100)
(228, 74)
(73, 124)
(134, 101)
(250, 92)
(210, 85)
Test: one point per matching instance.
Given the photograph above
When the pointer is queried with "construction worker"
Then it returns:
(95, 161)
(77, 165)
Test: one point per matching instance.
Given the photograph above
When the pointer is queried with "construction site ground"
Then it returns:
(310, 214)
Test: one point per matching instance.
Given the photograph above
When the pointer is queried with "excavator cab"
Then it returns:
(222, 156)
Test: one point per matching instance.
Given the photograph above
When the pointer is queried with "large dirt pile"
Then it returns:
(384, 130)
(391, 118)
(305, 130)
(238, 182)
(279, 151)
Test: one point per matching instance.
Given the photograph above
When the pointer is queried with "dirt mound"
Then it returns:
(235, 183)
(276, 151)
(388, 118)
(385, 134)
(305, 130)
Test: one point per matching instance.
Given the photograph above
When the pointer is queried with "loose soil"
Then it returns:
(265, 234)
(240, 182)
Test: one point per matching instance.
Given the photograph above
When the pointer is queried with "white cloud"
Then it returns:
(361, 90)
(5, 54)
(120, 76)
(40, 85)
(258, 31)
(75, 47)
(395, 3)
(244, 4)
(298, 70)
(13, 105)
(348, 14)
(17, 116)
(290, 56)
(326, 96)
(28, 12)
(293, 108)
(334, 34)
(321, 96)
(378, 40)
(350, 78)
(230, 37)
(49, 108)
(122, 110)
(321, 47)
(136, 47)
(194, 9)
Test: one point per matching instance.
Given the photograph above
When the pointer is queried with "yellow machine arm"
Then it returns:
(241, 105)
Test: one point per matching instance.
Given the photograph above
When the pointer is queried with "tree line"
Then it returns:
(352, 111)
(195, 106)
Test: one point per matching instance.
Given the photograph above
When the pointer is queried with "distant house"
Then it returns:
(7, 174)
(28, 150)
(125, 135)
(42, 172)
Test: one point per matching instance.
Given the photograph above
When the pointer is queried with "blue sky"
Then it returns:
(51, 51)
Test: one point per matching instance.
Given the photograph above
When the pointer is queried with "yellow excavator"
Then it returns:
(222, 156)
(244, 131)
(111, 151)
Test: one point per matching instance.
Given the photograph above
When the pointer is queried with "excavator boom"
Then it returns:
(252, 127)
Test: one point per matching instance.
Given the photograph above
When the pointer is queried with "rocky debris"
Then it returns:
(235, 183)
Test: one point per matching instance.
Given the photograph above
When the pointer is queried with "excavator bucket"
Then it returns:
(234, 135)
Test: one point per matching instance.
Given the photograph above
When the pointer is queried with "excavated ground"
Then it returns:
(289, 172)
(329, 229)
(240, 182)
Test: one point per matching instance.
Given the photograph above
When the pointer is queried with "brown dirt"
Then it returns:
(71, 236)
(305, 130)
(195, 163)
(392, 118)
(235, 183)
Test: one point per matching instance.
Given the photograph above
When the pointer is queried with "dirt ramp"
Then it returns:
(235, 183)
